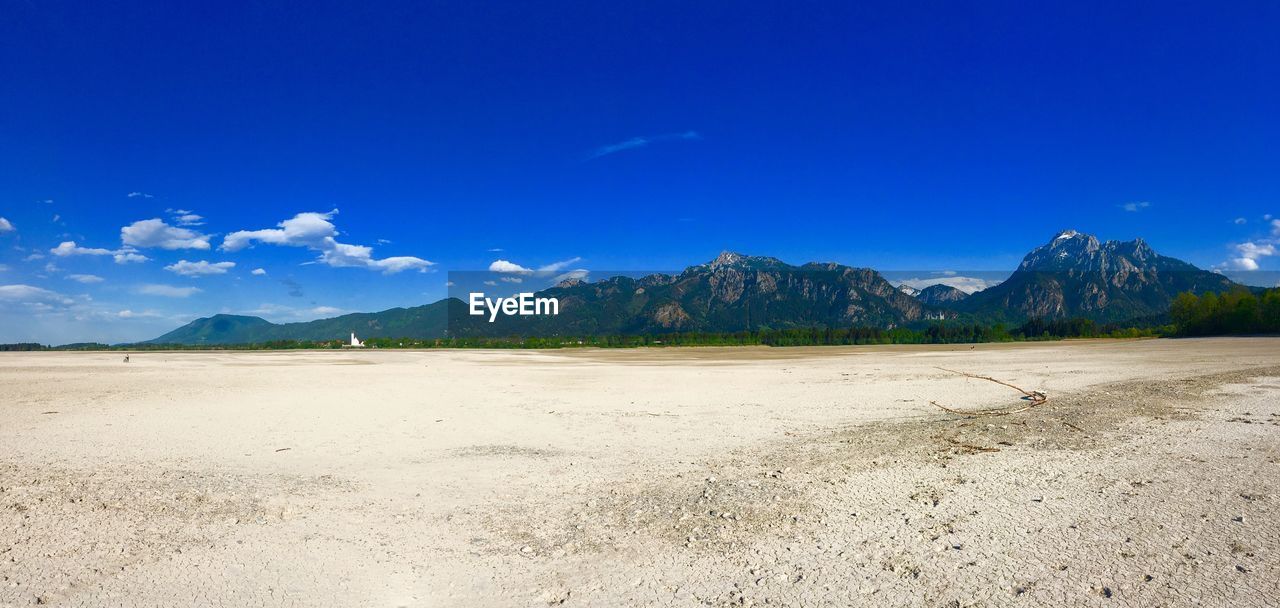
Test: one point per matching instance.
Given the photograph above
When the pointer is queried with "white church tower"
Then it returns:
(355, 342)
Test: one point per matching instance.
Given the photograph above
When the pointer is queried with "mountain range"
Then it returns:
(427, 321)
(937, 294)
(1073, 275)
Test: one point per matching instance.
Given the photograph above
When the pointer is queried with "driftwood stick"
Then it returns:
(969, 446)
(1033, 394)
(995, 412)
(1036, 397)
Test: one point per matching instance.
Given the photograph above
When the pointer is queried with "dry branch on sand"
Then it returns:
(968, 446)
(1036, 398)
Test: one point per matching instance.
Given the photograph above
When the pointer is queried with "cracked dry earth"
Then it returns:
(682, 477)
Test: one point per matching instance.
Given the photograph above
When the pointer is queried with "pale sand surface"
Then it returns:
(676, 477)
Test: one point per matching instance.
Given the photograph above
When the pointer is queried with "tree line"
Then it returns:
(1239, 311)
(938, 333)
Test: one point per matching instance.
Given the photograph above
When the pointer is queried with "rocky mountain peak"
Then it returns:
(729, 259)
(1137, 249)
(939, 294)
(1066, 234)
(1071, 239)
(1075, 251)
(1075, 275)
(726, 258)
(1067, 249)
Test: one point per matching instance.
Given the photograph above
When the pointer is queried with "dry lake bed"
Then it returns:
(676, 477)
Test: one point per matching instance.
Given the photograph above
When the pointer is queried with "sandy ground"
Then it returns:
(679, 477)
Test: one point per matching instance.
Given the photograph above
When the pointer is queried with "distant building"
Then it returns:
(355, 342)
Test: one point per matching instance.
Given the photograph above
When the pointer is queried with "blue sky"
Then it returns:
(628, 135)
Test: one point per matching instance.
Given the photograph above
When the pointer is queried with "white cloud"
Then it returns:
(69, 248)
(400, 263)
(510, 267)
(168, 291)
(85, 278)
(142, 314)
(1135, 206)
(496, 250)
(185, 217)
(343, 255)
(965, 284)
(4, 268)
(315, 231)
(6, 226)
(1241, 264)
(308, 229)
(579, 274)
(289, 313)
(1240, 221)
(1248, 253)
(33, 257)
(156, 232)
(1275, 228)
(30, 294)
(200, 268)
(552, 271)
(258, 272)
(126, 256)
(270, 309)
(1253, 250)
(558, 266)
(139, 195)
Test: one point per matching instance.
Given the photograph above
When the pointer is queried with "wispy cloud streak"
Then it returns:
(640, 142)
